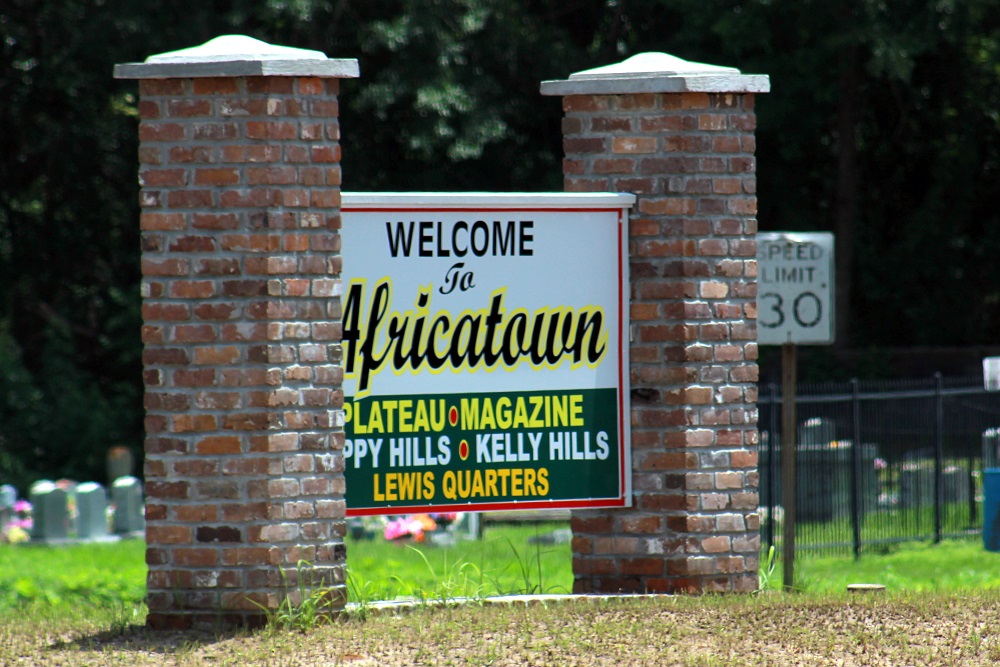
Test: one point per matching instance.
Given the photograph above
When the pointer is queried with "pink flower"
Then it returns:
(396, 529)
(22, 507)
(412, 526)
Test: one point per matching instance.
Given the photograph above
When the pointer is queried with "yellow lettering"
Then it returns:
(448, 485)
(470, 414)
(421, 420)
(487, 420)
(377, 337)
(529, 482)
(543, 481)
(560, 411)
(390, 414)
(375, 418)
(520, 413)
(405, 415)
(408, 486)
(576, 410)
(536, 403)
(503, 413)
(504, 474)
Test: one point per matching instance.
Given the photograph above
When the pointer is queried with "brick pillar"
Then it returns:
(240, 176)
(680, 136)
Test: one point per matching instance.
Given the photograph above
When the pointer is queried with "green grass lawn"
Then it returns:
(952, 565)
(77, 605)
(504, 562)
(95, 575)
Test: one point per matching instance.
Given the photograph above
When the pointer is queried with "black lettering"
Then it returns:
(777, 307)
(526, 238)
(797, 309)
(369, 361)
(441, 250)
(352, 323)
(426, 238)
(503, 240)
(399, 241)
(477, 249)
(461, 224)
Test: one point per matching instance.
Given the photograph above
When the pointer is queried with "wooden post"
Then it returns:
(789, 375)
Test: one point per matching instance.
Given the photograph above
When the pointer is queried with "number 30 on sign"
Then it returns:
(795, 288)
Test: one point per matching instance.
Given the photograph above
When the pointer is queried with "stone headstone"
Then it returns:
(917, 489)
(42, 483)
(120, 463)
(91, 512)
(991, 448)
(50, 512)
(8, 496)
(817, 431)
(126, 493)
(470, 526)
(916, 486)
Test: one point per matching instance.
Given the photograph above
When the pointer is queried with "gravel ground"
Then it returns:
(770, 629)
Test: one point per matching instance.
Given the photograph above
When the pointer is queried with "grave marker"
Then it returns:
(126, 492)
(8, 496)
(91, 512)
(51, 512)
(120, 463)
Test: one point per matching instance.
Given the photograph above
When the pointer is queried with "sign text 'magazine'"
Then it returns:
(485, 352)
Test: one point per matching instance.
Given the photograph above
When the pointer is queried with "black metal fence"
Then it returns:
(879, 462)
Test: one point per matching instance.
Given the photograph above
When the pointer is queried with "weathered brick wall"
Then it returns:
(241, 281)
(689, 158)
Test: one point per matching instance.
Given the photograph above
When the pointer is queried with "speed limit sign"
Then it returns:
(795, 288)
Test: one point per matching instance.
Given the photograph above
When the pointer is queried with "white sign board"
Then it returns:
(991, 373)
(485, 351)
(795, 288)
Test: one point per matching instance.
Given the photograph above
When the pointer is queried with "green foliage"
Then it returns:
(58, 423)
(882, 126)
(310, 608)
(767, 565)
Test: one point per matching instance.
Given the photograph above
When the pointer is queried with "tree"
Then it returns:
(882, 126)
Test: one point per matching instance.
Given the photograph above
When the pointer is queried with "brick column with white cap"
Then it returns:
(240, 195)
(680, 135)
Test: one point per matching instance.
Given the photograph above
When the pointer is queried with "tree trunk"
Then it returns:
(845, 203)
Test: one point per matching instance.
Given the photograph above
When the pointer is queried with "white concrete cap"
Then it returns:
(235, 47)
(238, 55)
(657, 73)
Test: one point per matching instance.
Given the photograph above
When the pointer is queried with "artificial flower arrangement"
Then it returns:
(18, 526)
(416, 525)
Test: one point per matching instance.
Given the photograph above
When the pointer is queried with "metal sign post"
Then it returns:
(788, 387)
(795, 306)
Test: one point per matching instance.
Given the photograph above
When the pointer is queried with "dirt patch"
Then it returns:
(759, 630)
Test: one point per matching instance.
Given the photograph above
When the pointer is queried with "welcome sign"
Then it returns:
(485, 343)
